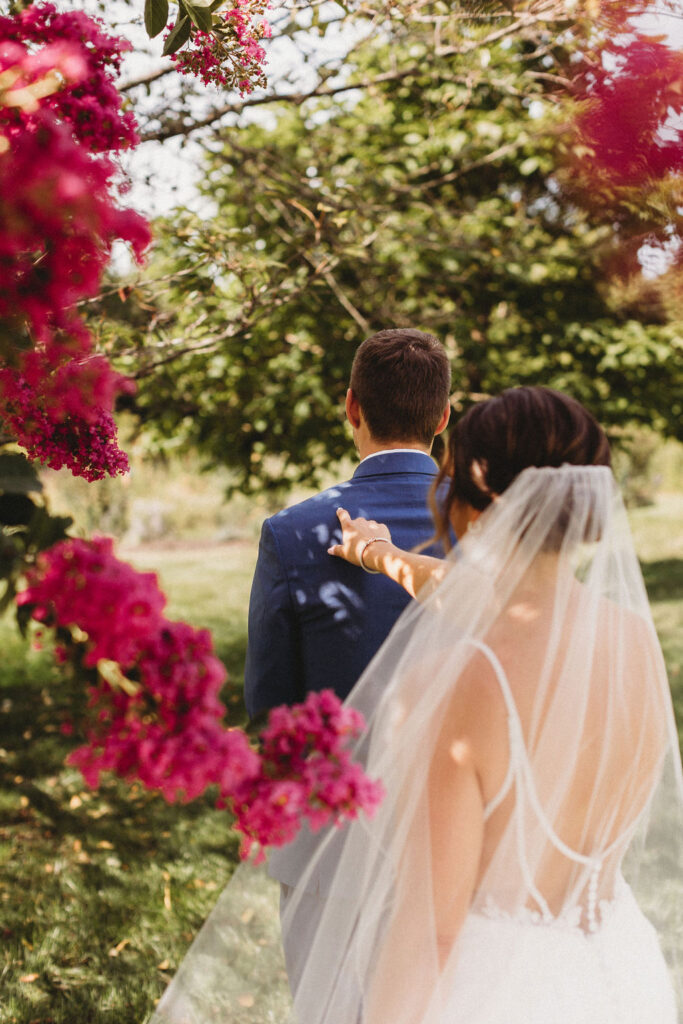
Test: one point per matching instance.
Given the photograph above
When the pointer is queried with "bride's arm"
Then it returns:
(372, 541)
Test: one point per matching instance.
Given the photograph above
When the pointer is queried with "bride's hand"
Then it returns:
(356, 536)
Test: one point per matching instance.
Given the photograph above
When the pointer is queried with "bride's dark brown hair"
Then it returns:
(497, 438)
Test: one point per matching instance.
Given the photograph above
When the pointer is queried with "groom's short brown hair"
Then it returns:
(401, 379)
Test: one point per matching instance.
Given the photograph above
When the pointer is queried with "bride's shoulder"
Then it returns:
(477, 705)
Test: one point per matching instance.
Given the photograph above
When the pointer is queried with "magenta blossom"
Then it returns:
(88, 58)
(306, 773)
(231, 55)
(154, 712)
(59, 220)
(81, 583)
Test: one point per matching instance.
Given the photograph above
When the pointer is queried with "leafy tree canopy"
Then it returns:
(450, 194)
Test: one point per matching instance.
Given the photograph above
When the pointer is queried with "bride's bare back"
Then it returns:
(602, 750)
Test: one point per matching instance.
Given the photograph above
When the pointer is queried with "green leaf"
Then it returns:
(200, 15)
(529, 165)
(8, 597)
(46, 530)
(9, 557)
(17, 475)
(14, 337)
(178, 37)
(16, 509)
(23, 614)
(156, 16)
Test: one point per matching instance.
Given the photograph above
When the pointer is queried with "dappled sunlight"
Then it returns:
(524, 611)
(411, 580)
(323, 534)
(340, 599)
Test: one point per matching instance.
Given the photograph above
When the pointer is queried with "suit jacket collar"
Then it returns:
(396, 462)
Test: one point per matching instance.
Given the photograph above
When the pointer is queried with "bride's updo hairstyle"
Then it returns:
(500, 437)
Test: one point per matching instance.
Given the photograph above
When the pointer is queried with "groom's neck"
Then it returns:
(369, 446)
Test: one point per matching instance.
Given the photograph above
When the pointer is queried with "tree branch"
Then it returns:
(133, 83)
(344, 301)
(546, 12)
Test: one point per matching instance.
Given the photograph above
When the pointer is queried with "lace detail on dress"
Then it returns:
(570, 920)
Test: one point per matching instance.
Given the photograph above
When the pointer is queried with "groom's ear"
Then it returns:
(443, 422)
(352, 409)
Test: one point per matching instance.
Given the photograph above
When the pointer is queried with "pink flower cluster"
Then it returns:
(306, 771)
(82, 583)
(231, 54)
(87, 58)
(168, 731)
(154, 712)
(88, 448)
(58, 106)
(58, 411)
(630, 112)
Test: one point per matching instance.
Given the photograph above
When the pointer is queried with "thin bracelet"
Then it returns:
(366, 544)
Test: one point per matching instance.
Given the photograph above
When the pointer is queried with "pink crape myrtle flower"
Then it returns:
(306, 772)
(59, 112)
(88, 58)
(154, 713)
(29, 77)
(81, 583)
(231, 55)
(60, 416)
(58, 225)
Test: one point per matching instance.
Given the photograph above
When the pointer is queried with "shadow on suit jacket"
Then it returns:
(315, 621)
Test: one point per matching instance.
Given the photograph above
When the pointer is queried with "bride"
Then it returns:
(525, 866)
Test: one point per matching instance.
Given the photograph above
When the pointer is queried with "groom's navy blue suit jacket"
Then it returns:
(315, 621)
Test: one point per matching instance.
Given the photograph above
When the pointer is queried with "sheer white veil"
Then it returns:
(543, 616)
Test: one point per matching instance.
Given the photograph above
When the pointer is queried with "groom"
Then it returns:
(315, 621)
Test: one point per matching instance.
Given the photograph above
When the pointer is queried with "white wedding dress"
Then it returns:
(599, 962)
(573, 913)
(538, 973)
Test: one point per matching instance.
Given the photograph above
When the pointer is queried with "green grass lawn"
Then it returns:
(101, 892)
(658, 534)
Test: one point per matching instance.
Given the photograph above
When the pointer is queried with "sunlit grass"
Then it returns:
(658, 536)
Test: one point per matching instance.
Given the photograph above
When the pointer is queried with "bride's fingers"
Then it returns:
(349, 532)
(354, 525)
(340, 550)
(354, 533)
(344, 518)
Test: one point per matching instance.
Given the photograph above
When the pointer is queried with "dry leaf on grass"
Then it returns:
(121, 945)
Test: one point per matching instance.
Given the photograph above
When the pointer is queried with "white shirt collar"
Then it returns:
(396, 451)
